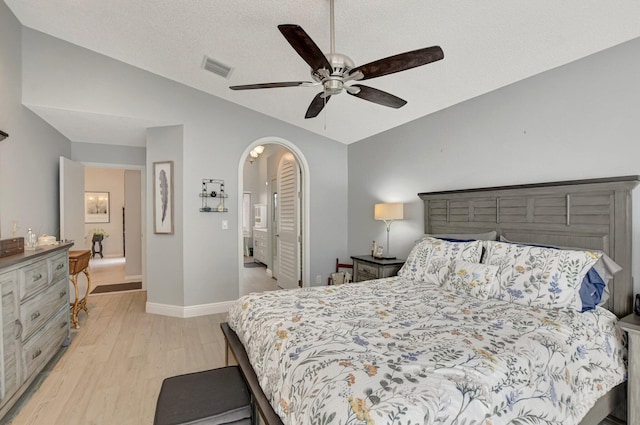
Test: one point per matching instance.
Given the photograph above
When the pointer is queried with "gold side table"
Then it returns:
(79, 263)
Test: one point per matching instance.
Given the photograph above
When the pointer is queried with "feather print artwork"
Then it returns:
(164, 193)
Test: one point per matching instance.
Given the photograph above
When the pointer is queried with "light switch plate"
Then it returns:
(225, 224)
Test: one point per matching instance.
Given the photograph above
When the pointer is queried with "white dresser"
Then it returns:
(260, 244)
(34, 316)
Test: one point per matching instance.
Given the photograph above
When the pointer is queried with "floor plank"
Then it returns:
(113, 369)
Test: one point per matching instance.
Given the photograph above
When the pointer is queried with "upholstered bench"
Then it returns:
(212, 397)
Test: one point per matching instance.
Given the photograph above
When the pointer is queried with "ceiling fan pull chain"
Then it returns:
(325, 104)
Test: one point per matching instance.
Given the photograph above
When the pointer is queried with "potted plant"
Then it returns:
(99, 235)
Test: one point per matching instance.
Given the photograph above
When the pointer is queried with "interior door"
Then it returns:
(288, 213)
(274, 228)
(72, 202)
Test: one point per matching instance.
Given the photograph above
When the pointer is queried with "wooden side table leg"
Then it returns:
(74, 304)
(83, 302)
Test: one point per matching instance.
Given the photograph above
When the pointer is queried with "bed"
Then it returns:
(409, 350)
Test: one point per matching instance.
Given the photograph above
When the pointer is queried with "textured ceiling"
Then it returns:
(487, 45)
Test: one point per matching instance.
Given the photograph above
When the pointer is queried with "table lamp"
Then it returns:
(388, 213)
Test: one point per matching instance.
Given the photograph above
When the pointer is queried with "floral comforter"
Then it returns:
(407, 352)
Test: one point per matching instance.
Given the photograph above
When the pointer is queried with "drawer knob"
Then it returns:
(35, 315)
(37, 277)
(63, 324)
(60, 266)
(63, 293)
(36, 354)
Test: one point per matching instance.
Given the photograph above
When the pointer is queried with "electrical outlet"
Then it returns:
(225, 224)
(319, 279)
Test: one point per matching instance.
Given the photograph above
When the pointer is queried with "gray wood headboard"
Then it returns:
(593, 214)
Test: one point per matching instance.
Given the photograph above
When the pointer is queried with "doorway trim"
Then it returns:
(306, 191)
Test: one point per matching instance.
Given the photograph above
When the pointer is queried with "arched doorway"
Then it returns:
(259, 195)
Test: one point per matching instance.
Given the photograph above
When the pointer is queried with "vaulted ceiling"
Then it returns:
(487, 45)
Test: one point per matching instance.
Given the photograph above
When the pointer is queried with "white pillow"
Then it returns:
(537, 276)
(473, 279)
(430, 260)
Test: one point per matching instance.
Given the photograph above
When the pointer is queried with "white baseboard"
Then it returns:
(188, 311)
(133, 278)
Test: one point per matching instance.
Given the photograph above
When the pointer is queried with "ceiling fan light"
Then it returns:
(259, 149)
(253, 154)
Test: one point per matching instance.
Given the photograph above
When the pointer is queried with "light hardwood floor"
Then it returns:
(113, 369)
(255, 279)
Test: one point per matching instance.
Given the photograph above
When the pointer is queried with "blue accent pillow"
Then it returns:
(591, 290)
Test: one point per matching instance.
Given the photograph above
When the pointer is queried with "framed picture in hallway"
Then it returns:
(163, 197)
(96, 207)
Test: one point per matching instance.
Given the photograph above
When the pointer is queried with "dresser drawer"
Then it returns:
(39, 309)
(389, 271)
(367, 272)
(39, 349)
(33, 277)
(7, 278)
(59, 266)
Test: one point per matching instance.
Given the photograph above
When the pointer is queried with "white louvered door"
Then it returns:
(288, 237)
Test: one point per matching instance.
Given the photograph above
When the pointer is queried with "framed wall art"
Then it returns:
(96, 207)
(163, 197)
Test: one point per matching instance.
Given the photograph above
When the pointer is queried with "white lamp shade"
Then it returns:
(394, 211)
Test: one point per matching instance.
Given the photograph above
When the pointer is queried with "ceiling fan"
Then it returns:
(333, 70)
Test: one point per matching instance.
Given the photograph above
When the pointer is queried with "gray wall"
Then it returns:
(577, 121)
(216, 134)
(29, 157)
(108, 154)
(165, 262)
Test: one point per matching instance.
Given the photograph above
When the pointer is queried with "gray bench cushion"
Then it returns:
(212, 397)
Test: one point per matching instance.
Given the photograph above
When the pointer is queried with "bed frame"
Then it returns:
(593, 214)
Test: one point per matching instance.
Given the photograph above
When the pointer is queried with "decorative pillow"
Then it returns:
(537, 276)
(594, 290)
(431, 259)
(591, 290)
(473, 279)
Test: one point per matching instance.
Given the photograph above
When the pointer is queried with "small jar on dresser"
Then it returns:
(368, 267)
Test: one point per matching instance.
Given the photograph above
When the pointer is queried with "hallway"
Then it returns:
(108, 271)
(255, 279)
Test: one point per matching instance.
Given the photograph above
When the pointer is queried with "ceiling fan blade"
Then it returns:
(317, 104)
(377, 96)
(273, 85)
(400, 62)
(305, 46)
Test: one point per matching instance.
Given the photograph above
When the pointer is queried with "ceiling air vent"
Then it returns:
(216, 67)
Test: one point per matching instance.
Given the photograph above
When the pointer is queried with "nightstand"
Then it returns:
(367, 267)
(631, 324)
